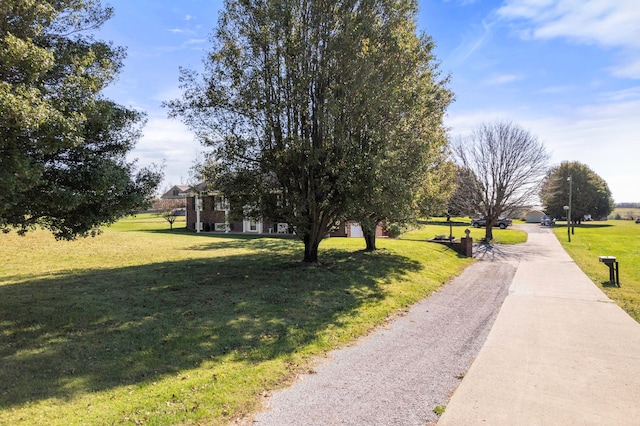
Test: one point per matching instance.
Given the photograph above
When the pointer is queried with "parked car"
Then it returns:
(480, 222)
(548, 220)
(638, 219)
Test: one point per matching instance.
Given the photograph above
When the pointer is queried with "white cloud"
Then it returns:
(628, 69)
(180, 31)
(195, 41)
(463, 2)
(472, 43)
(463, 124)
(167, 142)
(555, 90)
(630, 93)
(605, 23)
(602, 22)
(499, 79)
(168, 94)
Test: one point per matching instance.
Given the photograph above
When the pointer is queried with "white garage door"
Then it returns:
(356, 231)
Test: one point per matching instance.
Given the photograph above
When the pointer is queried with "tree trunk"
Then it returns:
(369, 226)
(488, 234)
(370, 239)
(311, 243)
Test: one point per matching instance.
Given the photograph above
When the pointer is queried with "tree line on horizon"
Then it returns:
(628, 205)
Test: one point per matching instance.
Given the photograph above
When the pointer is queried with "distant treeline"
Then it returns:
(628, 205)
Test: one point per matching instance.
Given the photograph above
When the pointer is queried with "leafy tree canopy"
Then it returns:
(315, 109)
(590, 194)
(63, 146)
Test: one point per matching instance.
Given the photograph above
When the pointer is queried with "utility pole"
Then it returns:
(569, 210)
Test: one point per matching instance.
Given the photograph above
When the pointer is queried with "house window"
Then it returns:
(176, 192)
(221, 203)
(221, 227)
(251, 225)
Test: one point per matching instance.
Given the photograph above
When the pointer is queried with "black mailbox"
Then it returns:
(614, 275)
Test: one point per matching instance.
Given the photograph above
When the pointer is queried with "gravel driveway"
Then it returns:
(401, 372)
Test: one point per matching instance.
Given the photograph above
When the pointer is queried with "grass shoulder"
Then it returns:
(619, 238)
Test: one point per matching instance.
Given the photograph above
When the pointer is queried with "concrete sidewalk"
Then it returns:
(559, 353)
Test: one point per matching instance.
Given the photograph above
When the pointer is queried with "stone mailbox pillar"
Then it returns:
(467, 243)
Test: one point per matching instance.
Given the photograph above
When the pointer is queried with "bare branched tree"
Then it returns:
(508, 163)
(169, 210)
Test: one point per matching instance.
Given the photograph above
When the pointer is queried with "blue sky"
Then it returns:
(566, 70)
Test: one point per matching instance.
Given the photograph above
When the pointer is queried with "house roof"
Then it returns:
(176, 191)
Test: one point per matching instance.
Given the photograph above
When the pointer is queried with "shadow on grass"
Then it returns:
(220, 240)
(454, 223)
(238, 241)
(439, 247)
(66, 336)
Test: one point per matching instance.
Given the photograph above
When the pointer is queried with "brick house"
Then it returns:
(210, 211)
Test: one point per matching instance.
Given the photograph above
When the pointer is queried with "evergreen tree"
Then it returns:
(63, 146)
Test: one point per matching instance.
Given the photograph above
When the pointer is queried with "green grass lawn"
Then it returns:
(439, 226)
(619, 238)
(145, 326)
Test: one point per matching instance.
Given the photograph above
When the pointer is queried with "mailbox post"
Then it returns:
(614, 274)
(467, 243)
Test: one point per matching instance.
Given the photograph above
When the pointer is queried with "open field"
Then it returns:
(625, 213)
(619, 238)
(145, 326)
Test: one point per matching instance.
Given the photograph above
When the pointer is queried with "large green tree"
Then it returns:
(590, 194)
(416, 180)
(508, 163)
(310, 105)
(406, 171)
(63, 145)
